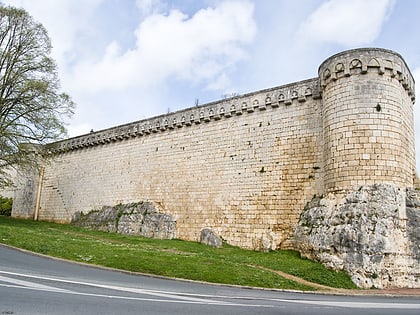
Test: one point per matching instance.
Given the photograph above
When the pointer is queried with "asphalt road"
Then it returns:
(31, 284)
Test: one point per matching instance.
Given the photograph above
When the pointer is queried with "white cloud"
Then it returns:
(197, 49)
(222, 82)
(147, 7)
(345, 22)
(65, 25)
(113, 80)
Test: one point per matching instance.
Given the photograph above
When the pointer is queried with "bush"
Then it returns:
(6, 206)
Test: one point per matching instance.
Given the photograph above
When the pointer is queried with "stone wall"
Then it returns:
(245, 167)
(8, 189)
(28, 183)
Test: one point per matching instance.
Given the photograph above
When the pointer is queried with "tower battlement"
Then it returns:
(367, 119)
(363, 60)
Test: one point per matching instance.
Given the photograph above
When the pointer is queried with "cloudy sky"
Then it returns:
(125, 60)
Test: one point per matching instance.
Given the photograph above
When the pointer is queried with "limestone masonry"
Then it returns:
(301, 166)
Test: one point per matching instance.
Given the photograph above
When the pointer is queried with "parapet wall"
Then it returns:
(245, 166)
(259, 101)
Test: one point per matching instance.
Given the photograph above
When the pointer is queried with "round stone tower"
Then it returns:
(368, 125)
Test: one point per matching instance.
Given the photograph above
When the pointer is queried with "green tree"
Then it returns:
(6, 206)
(32, 108)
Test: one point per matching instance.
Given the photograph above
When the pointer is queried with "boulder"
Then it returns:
(210, 238)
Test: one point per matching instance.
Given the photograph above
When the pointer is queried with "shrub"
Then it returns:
(6, 206)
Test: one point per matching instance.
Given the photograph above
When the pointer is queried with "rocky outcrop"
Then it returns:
(413, 222)
(369, 233)
(142, 218)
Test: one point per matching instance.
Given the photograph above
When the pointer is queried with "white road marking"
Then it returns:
(357, 304)
(32, 285)
(144, 299)
(189, 298)
(171, 296)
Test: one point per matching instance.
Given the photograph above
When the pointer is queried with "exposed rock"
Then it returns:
(271, 240)
(102, 220)
(158, 225)
(366, 233)
(141, 218)
(413, 221)
(209, 237)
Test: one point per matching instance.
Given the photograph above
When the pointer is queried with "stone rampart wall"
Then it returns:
(244, 167)
(8, 191)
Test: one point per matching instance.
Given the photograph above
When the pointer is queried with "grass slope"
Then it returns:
(171, 258)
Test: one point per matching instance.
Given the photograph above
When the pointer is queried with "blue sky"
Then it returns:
(125, 60)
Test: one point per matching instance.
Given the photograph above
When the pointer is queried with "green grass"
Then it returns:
(171, 258)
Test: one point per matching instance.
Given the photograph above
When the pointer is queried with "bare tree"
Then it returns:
(32, 108)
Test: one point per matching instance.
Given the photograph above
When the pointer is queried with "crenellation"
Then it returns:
(204, 113)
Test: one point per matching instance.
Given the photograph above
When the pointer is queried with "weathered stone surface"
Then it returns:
(413, 222)
(364, 233)
(102, 220)
(209, 237)
(140, 218)
(247, 165)
(158, 225)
